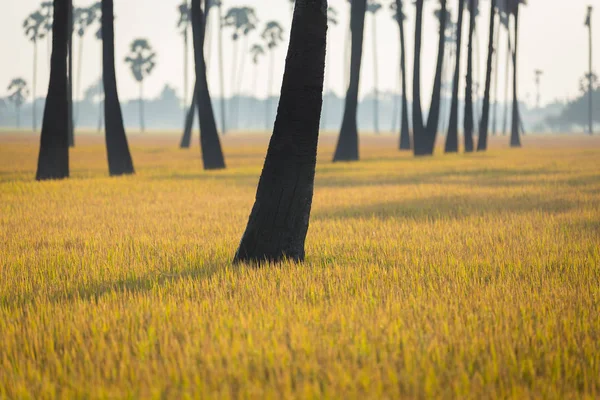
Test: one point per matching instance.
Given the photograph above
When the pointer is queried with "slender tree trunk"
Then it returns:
(79, 68)
(484, 125)
(496, 74)
(53, 160)
(396, 100)
(240, 80)
(515, 139)
(141, 104)
(347, 146)
(18, 117)
(507, 81)
(279, 220)
(419, 130)
(452, 135)
(591, 83)
(222, 72)
(468, 133)
(186, 139)
(210, 145)
(117, 148)
(433, 119)
(70, 78)
(269, 88)
(404, 127)
(375, 77)
(34, 87)
(185, 78)
(235, 49)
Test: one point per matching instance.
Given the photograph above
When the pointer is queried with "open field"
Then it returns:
(471, 276)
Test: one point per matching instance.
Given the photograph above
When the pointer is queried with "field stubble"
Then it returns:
(453, 276)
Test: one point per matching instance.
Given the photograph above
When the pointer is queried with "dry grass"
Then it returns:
(458, 276)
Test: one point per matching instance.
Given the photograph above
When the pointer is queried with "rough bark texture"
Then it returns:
(279, 220)
(347, 146)
(515, 138)
(212, 154)
(53, 160)
(433, 119)
(485, 114)
(117, 148)
(404, 127)
(452, 135)
(468, 129)
(418, 128)
(186, 139)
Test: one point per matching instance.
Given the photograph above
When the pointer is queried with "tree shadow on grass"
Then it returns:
(448, 208)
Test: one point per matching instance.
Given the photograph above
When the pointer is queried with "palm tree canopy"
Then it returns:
(141, 59)
(34, 26)
(272, 34)
(18, 91)
(185, 16)
(257, 51)
(243, 20)
(373, 7)
(332, 16)
(47, 9)
(397, 13)
(83, 18)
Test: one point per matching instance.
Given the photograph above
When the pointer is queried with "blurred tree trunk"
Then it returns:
(53, 160)
(117, 148)
(278, 224)
(468, 122)
(418, 127)
(485, 114)
(210, 145)
(347, 146)
(452, 135)
(70, 77)
(515, 138)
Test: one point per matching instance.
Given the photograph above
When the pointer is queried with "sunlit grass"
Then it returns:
(472, 276)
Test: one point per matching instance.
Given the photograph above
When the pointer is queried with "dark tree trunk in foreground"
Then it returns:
(210, 145)
(70, 77)
(418, 128)
(452, 135)
(485, 115)
(279, 220)
(53, 160)
(515, 138)
(468, 129)
(433, 119)
(117, 149)
(404, 128)
(186, 139)
(347, 146)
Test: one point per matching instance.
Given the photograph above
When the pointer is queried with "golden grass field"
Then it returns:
(463, 276)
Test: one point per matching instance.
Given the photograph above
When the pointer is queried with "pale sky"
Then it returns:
(552, 38)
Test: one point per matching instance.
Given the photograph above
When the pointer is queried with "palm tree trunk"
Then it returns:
(34, 108)
(468, 129)
(70, 78)
(496, 74)
(18, 117)
(452, 135)
(210, 145)
(507, 81)
(396, 100)
(279, 220)
(240, 79)
(484, 125)
(375, 78)
(233, 80)
(591, 82)
(53, 160)
(515, 139)
(141, 102)
(117, 148)
(185, 76)
(418, 127)
(347, 146)
(79, 67)
(433, 119)
(186, 139)
(404, 127)
(222, 72)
